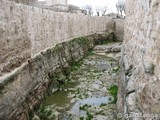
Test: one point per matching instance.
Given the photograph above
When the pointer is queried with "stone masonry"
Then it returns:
(26, 30)
(141, 58)
(27, 2)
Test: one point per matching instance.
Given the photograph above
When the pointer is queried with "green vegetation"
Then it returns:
(45, 113)
(78, 91)
(62, 80)
(75, 65)
(91, 76)
(116, 69)
(102, 113)
(82, 118)
(83, 39)
(105, 42)
(110, 38)
(103, 70)
(90, 52)
(84, 107)
(110, 99)
(103, 104)
(79, 40)
(113, 90)
(89, 116)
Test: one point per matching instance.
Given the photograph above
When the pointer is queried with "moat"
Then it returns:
(61, 62)
(89, 91)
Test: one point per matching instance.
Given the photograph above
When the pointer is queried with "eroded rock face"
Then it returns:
(141, 51)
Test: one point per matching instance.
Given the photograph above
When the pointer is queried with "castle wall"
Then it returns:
(26, 2)
(26, 31)
(142, 57)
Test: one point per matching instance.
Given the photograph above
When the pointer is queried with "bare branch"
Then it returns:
(88, 8)
(98, 9)
(104, 10)
(120, 5)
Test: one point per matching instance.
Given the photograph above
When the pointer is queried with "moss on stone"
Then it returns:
(84, 107)
(75, 66)
(116, 69)
(113, 90)
(89, 116)
(45, 113)
(82, 118)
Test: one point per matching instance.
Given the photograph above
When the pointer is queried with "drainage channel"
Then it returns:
(91, 91)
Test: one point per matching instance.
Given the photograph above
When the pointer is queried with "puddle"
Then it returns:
(94, 101)
(58, 98)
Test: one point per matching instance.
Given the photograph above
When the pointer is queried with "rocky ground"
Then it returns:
(90, 93)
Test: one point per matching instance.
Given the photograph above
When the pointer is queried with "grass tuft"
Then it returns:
(113, 90)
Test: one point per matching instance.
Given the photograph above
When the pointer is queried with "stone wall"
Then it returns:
(142, 57)
(22, 91)
(26, 30)
(119, 28)
(26, 2)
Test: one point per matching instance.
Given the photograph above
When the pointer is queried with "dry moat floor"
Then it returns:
(90, 93)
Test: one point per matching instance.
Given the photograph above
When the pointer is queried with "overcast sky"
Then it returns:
(109, 3)
(95, 3)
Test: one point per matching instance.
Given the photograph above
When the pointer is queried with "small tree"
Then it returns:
(104, 10)
(98, 9)
(88, 8)
(120, 5)
(84, 11)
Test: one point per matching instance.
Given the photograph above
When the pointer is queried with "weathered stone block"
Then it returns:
(149, 67)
